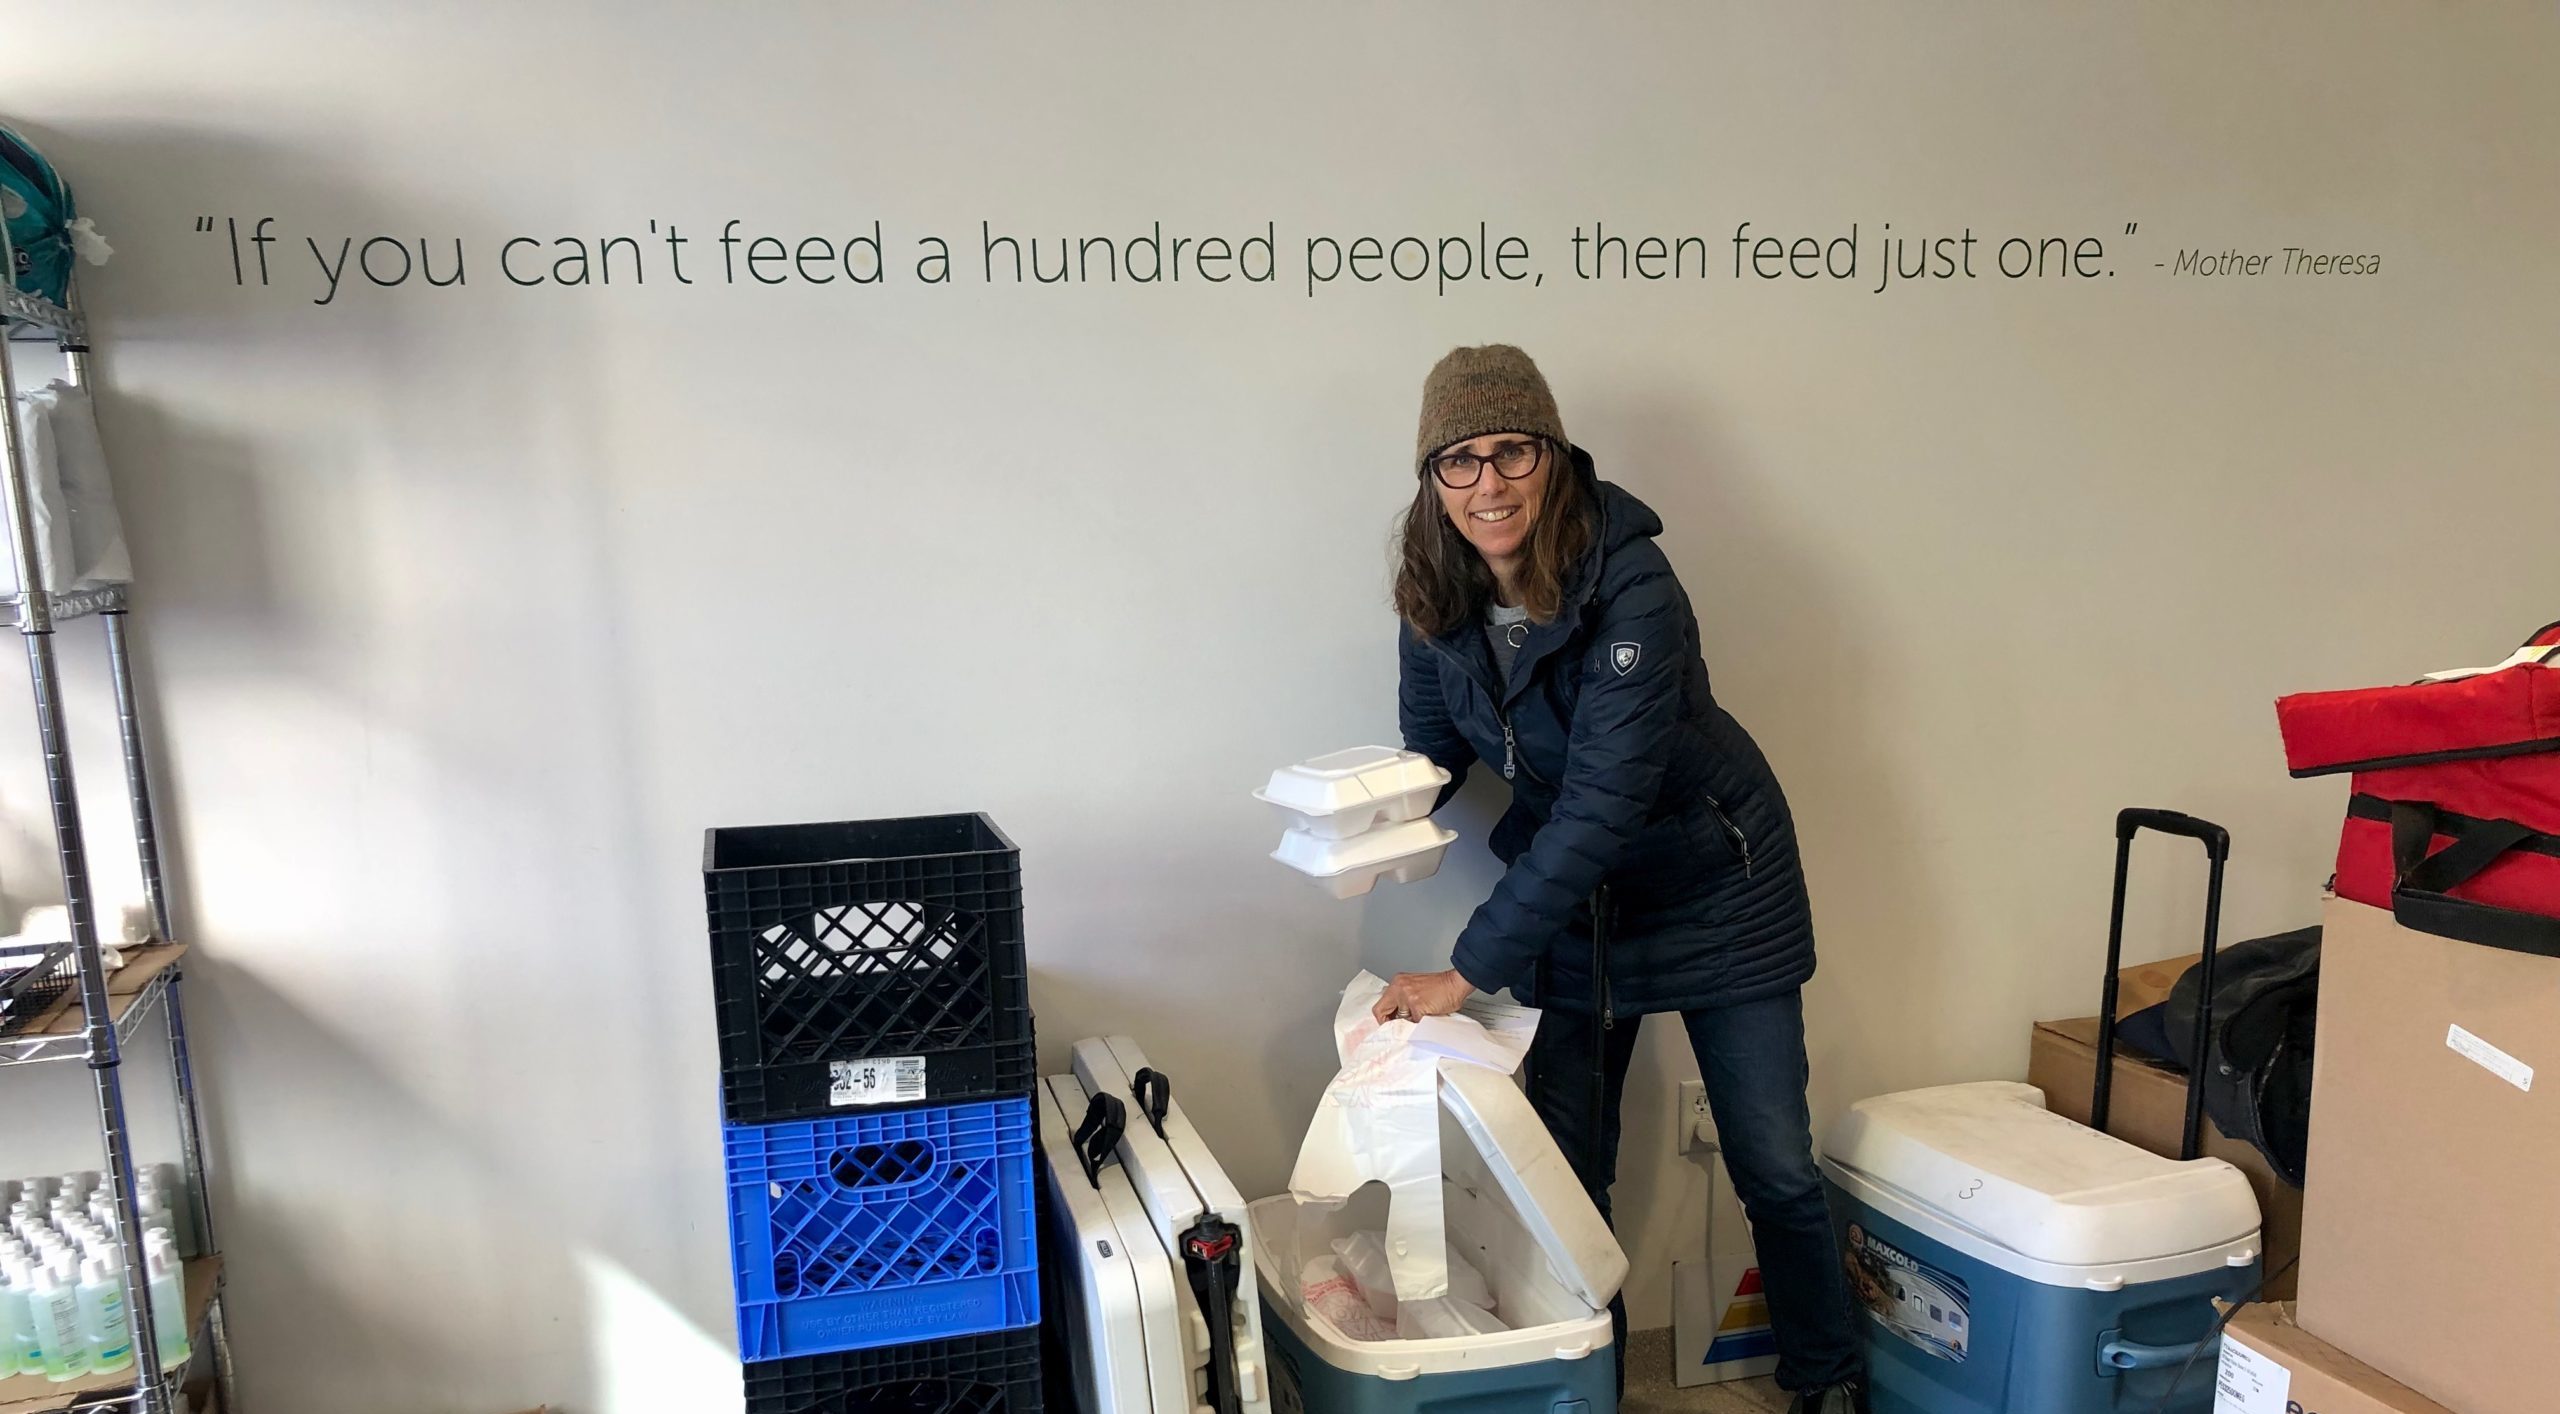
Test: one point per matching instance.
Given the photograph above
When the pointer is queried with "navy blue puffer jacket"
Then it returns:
(1625, 773)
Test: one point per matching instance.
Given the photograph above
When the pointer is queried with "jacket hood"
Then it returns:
(1623, 521)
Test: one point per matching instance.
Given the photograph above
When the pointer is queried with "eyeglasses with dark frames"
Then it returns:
(1512, 460)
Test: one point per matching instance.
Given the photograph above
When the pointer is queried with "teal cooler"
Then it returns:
(1514, 1207)
(2006, 1260)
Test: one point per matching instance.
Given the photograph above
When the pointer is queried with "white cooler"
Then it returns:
(1130, 1239)
(2006, 1260)
(1514, 1209)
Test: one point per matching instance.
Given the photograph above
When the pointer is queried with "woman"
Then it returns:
(1650, 858)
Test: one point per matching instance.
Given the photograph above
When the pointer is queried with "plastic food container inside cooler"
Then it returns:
(1407, 853)
(1353, 792)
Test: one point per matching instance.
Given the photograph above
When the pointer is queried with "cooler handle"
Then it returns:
(1099, 1136)
(2217, 849)
(1154, 1090)
(2119, 1353)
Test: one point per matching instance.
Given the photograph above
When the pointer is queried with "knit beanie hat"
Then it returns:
(1475, 391)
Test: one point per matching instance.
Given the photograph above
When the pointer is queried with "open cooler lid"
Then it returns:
(1522, 1159)
(1990, 1158)
(1328, 785)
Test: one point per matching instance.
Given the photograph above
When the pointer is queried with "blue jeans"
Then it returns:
(1753, 1060)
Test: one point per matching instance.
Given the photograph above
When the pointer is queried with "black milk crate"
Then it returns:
(30, 983)
(998, 1373)
(867, 962)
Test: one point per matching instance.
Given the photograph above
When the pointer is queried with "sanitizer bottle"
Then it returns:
(168, 1303)
(103, 1317)
(65, 1349)
(13, 1314)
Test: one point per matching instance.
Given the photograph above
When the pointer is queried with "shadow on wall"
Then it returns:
(322, 567)
(348, 1275)
(202, 524)
(1784, 656)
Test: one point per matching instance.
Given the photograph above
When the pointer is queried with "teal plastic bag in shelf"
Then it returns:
(45, 226)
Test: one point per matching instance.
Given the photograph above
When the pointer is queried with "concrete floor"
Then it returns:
(1650, 1391)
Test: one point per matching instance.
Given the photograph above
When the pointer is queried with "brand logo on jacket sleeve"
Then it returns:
(1622, 656)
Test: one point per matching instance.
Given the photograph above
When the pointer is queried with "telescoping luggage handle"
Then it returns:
(2217, 849)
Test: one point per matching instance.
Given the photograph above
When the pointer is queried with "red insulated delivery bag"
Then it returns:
(2454, 824)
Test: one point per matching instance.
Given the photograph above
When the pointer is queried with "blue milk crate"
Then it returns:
(846, 1234)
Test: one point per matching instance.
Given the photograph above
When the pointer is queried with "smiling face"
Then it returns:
(1496, 511)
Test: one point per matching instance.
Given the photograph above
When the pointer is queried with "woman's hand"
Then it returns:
(1415, 995)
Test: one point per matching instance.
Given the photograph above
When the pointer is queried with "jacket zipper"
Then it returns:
(1512, 763)
(1600, 920)
(1741, 841)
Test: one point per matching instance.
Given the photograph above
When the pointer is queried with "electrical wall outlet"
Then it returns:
(1694, 1119)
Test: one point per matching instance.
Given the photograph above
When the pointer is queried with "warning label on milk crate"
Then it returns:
(892, 1080)
(1920, 1304)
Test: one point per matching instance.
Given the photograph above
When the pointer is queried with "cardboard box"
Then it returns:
(2150, 1110)
(2432, 1231)
(2270, 1365)
(1719, 1314)
(2148, 984)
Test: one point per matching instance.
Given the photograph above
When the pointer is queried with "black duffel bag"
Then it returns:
(2258, 1084)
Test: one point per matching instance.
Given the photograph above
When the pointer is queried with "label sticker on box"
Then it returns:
(891, 1080)
(2490, 1059)
(2250, 1383)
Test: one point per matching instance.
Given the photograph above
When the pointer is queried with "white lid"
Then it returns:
(1330, 784)
(1991, 1158)
(1323, 858)
(1523, 1160)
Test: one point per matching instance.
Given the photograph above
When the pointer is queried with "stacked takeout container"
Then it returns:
(1358, 816)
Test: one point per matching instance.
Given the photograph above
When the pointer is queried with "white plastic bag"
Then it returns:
(1445, 1318)
(70, 499)
(1329, 1291)
(1363, 1256)
(88, 493)
(1379, 1120)
(1364, 1259)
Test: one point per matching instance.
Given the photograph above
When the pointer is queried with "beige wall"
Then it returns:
(470, 608)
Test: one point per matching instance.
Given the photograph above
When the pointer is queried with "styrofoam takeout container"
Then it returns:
(1407, 853)
(1353, 792)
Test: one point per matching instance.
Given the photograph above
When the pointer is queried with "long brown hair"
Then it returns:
(1442, 582)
